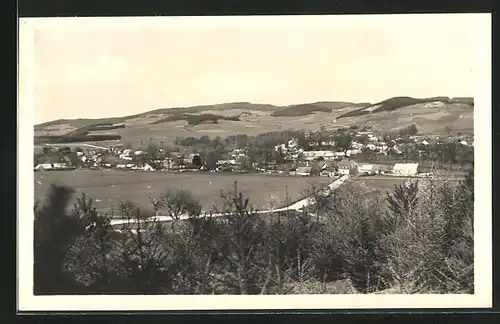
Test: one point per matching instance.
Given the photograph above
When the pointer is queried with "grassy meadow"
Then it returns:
(109, 187)
(381, 183)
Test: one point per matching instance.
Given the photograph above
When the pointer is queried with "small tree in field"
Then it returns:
(245, 265)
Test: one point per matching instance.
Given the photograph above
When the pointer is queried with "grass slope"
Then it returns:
(196, 119)
(399, 102)
(307, 109)
(83, 122)
(254, 119)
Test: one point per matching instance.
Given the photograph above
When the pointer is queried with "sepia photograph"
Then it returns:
(254, 162)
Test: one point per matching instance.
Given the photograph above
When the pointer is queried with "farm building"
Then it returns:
(347, 166)
(366, 168)
(329, 168)
(338, 155)
(405, 169)
(314, 155)
(353, 151)
(43, 166)
(370, 169)
(148, 167)
(382, 168)
(226, 162)
(293, 143)
(303, 171)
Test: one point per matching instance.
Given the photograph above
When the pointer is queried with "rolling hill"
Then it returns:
(399, 102)
(196, 119)
(307, 109)
(431, 115)
(83, 122)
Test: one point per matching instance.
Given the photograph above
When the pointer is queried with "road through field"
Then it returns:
(299, 205)
(108, 188)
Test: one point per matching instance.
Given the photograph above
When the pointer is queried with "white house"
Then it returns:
(59, 165)
(371, 146)
(338, 155)
(43, 166)
(353, 152)
(280, 147)
(366, 169)
(303, 171)
(405, 169)
(356, 145)
(229, 161)
(147, 167)
(312, 155)
(293, 143)
(347, 166)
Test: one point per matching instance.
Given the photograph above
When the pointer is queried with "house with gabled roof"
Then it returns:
(347, 167)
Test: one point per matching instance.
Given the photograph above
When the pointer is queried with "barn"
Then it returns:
(405, 169)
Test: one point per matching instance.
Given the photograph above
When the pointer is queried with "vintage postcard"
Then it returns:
(278, 162)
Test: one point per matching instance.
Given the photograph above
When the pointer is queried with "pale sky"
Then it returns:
(104, 68)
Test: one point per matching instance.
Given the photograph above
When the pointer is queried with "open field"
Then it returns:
(108, 187)
(387, 183)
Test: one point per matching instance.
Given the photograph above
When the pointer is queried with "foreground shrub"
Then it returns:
(418, 240)
(428, 244)
(54, 231)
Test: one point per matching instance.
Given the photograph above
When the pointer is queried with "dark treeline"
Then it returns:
(194, 120)
(105, 127)
(416, 239)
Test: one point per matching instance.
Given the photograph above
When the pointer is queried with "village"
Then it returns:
(318, 153)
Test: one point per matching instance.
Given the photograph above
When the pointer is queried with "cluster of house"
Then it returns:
(297, 160)
(92, 157)
(374, 143)
(350, 167)
(116, 158)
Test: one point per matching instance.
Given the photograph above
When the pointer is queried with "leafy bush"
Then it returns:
(352, 240)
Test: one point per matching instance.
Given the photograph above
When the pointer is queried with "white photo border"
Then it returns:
(482, 298)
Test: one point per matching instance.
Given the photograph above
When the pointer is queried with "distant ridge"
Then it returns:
(208, 115)
(400, 102)
(83, 122)
(196, 119)
(307, 109)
